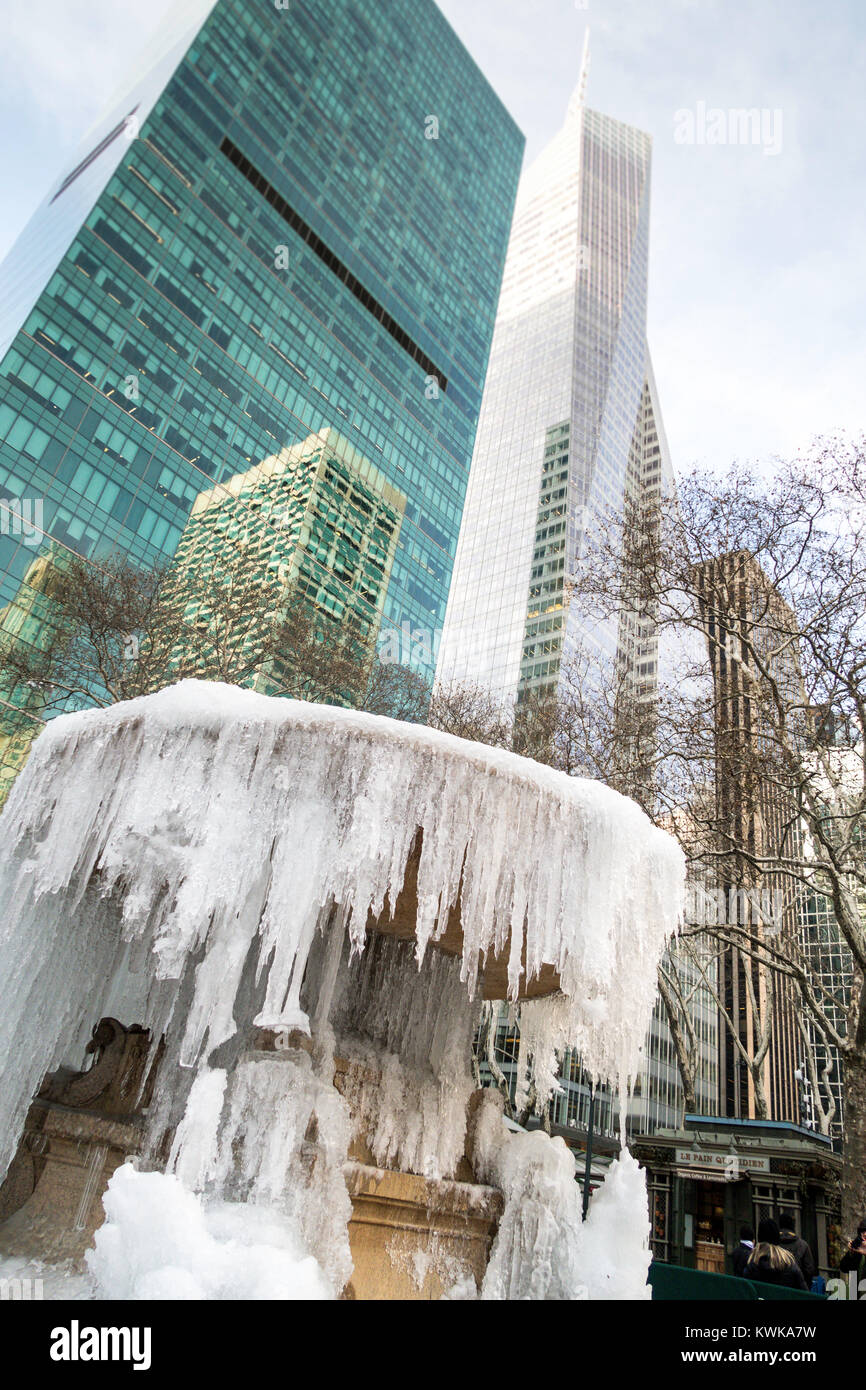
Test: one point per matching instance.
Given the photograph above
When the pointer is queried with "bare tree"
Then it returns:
(396, 691)
(96, 634)
(590, 726)
(472, 712)
(759, 756)
(682, 974)
(92, 635)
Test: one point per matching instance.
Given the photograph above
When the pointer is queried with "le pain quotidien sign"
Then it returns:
(719, 1167)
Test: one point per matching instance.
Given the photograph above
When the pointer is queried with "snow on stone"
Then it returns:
(207, 821)
(159, 1241)
(30, 1281)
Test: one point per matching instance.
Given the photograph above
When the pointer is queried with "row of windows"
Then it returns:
(91, 337)
(297, 223)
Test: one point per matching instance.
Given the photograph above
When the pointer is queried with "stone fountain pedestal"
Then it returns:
(80, 1128)
(414, 1237)
(207, 860)
(411, 1237)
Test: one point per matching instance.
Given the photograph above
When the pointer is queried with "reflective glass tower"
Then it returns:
(294, 220)
(570, 428)
(570, 424)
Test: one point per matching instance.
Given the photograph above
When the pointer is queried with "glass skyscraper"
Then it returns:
(570, 424)
(830, 958)
(316, 525)
(570, 429)
(294, 221)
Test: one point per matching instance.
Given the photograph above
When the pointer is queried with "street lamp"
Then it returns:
(807, 1113)
(588, 1164)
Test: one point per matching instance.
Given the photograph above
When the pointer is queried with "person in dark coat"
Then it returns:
(743, 1252)
(855, 1255)
(771, 1263)
(796, 1246)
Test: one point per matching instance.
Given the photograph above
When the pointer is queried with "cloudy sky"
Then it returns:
(757, 287)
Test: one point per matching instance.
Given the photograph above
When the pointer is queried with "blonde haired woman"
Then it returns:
(771, 1263)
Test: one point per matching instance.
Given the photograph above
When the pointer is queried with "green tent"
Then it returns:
(694, 1285)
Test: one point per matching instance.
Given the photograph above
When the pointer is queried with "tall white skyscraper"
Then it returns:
(569, 423)
(570, 428)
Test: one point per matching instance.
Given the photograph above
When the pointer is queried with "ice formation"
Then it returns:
(160, 1241)
(407, 1037)
(207, 859)
(543, 1248)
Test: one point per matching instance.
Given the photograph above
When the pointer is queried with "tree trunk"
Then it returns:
(854, 1142)
(762, 1110)
(681, 1047)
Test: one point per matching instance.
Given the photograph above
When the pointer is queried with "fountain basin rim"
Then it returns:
(212, 705)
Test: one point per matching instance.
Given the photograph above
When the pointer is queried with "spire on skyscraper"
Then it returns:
(575, 106)
(564, 431)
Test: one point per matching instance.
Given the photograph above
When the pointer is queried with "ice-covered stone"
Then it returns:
(171, 858)
(204, 821)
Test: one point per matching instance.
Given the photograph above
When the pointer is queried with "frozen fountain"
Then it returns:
(272, 925)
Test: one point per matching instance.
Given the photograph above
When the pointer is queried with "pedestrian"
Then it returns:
(790, 1241)
(742, 1254)
(771, 1263)
(855, 1255)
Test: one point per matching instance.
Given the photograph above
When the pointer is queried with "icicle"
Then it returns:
(166, 851)
(543, 1248)
(406, 1036)
(209, 816)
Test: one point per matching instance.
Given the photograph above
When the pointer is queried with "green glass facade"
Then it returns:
(316, 525)
(296, 221)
